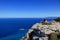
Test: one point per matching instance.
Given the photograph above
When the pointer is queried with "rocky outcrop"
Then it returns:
(41, 30)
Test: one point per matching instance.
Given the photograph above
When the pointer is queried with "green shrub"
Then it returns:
(57, 19)
(53, 36)
(46, 23)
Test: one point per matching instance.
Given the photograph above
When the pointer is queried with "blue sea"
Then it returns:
(10, 27)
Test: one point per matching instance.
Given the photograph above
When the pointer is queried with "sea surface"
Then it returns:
(10, 28)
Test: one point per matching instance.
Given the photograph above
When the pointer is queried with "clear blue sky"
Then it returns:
(29, 8)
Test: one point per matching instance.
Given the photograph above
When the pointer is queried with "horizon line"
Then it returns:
(28, 17)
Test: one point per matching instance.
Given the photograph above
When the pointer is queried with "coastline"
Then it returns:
(46, 27)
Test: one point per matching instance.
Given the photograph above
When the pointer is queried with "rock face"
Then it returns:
(48, 28)
(37, 34)
(39, 31)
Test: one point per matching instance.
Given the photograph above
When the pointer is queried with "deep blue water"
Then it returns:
(9, 27)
